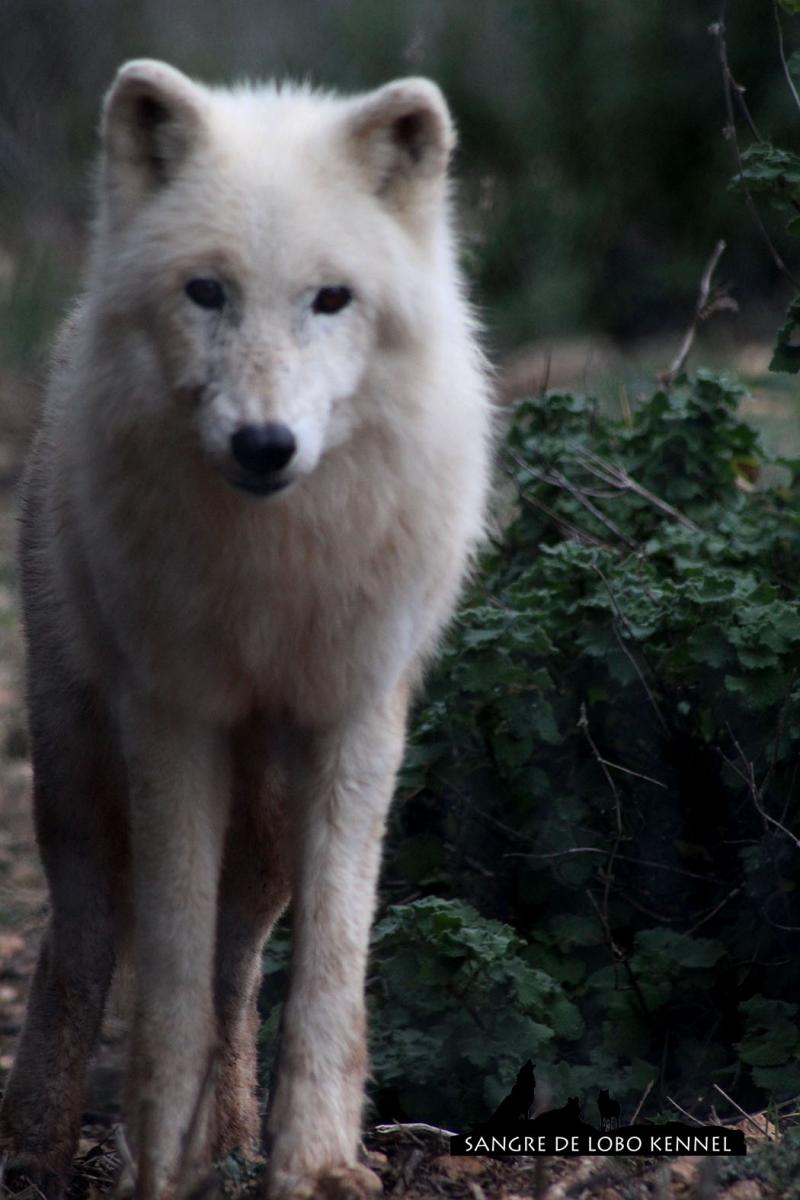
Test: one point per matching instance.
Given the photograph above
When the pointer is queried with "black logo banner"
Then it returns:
(645, 1141)
(510, 1130)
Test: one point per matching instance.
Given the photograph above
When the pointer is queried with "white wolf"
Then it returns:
(261, 472)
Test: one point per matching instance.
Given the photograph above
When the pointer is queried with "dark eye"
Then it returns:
(208, 293)
(332, 299)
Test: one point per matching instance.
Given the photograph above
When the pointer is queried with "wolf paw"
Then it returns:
(334, 1183)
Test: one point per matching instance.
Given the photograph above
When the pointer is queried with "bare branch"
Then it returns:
(575, 531)
(558, 480)
(619, 957)
(616, 477)
(548, 363)
(635, 774)
(746, 1116)
(626, 649)
(701, 313)
(756, 793)
(718, 29)
(683, 1111)
(714, 911)
(583, 723)
(639, 862)
(640, 1105)
(413, 1127)
(782, 51)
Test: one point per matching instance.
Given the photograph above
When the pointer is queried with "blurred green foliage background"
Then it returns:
(592, 161)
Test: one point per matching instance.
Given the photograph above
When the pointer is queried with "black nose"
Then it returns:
(263, 448)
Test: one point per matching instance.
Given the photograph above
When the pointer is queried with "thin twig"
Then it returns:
(782, 52)
(636, 774)
(558, 480)
(545, 384)
(700, 313)
(582, 535)
(640, 1105)
(748, 775)
(739, 94)
(626, 649)
(615, 477)
(776, 745)
(413, 1127)
(639, 862)
(746, 1116)
(583, 723)
(619, 957)
(636, 904)
(566, 526)
(683, 1111)
(777, 924)
(719, 30)
(714, 911)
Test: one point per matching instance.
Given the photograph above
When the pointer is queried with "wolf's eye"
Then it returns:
(208, 293)
(332, 299)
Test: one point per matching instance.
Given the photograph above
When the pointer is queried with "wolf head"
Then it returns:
(266, 255)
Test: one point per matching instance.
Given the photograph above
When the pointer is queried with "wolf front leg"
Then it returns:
(315, 1114)
(179, 798)
(254, 890)
(79, 806)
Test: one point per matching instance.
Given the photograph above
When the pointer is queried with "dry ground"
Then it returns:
(412, 1164)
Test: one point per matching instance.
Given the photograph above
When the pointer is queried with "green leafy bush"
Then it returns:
(605, 761)
(455, 999)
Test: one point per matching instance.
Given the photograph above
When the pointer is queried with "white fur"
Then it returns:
(191, 609)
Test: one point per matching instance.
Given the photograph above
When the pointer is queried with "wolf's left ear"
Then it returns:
(403, 136)
(152, 117)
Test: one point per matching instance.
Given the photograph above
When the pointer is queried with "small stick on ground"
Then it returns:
(413, 1127)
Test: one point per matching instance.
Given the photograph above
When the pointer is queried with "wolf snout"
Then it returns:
(263, 449)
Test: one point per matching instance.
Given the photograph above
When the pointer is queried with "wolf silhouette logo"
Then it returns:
(518, 1104)
(609, 1110)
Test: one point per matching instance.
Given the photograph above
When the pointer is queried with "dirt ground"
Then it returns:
(412, 1163)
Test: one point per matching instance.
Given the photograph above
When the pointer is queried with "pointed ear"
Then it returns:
(152, 117)
(403, 137)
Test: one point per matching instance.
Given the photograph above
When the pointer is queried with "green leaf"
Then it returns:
(786, 355)
(768, 168)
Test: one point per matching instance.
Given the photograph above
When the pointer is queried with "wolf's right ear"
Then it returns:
(403, 136)
(152, 116)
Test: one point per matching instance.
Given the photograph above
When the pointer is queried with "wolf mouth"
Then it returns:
(260, 487)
